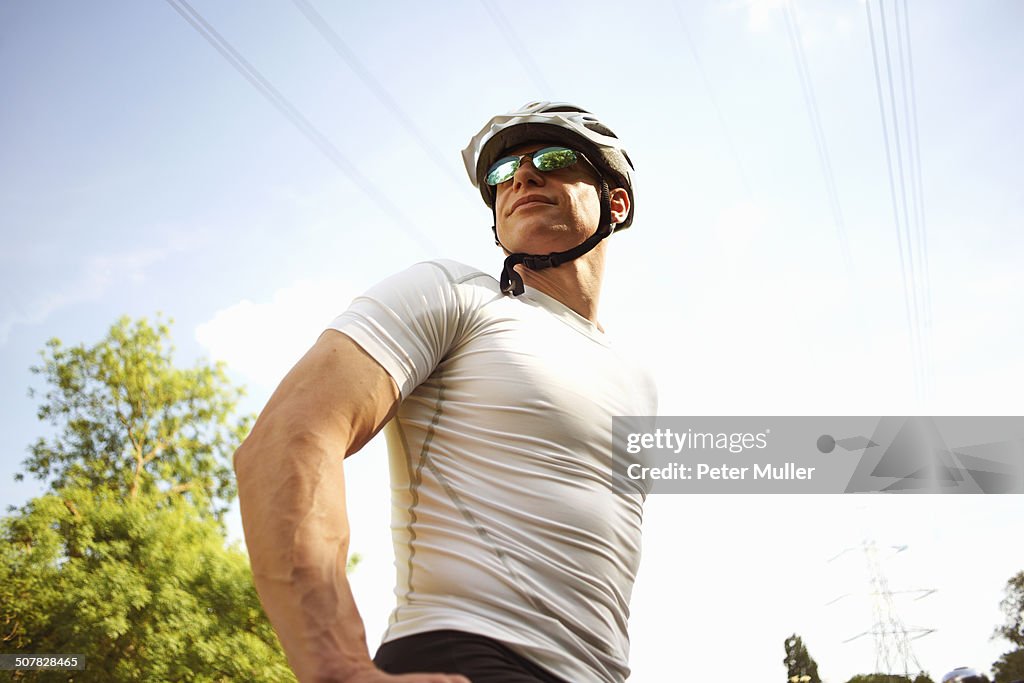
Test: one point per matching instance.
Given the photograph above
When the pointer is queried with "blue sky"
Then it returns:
(142, 173)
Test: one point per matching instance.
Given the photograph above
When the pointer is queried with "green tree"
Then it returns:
(129, 421)
(123, 559)
(145, 591)
(1013, 607)
(800, 666)
(890, 678)
(1010, 667)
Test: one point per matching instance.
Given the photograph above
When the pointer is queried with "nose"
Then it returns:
(526, 174)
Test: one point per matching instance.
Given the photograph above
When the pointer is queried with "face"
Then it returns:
(539, 212)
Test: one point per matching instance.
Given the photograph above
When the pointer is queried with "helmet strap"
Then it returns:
(512, 281)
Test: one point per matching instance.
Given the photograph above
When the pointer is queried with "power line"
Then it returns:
(908, 123)
(811, 103)
(917, 155)
(908, 285)
(295, 117)
(714, 100)
(899, 156)
(919, 193)
(903, 192)
(516, 47)
(913, 226)
(364, 74)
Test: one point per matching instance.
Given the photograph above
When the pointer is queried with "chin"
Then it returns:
(543, 239)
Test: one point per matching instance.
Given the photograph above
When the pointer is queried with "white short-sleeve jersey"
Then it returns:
(503, 518)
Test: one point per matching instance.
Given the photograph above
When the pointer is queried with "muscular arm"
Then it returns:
(291, 488)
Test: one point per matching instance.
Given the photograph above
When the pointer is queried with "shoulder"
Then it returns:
(437, 285)
(409, 321)
(452, 273)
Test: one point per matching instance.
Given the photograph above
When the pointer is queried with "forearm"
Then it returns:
(291, 491)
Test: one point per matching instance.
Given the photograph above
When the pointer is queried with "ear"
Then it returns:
(620, 205)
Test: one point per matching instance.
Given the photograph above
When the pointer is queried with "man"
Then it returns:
(515, 560)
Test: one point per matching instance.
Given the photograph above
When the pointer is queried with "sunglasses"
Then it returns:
(547, 159)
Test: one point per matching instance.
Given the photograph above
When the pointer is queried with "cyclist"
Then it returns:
(515, 562)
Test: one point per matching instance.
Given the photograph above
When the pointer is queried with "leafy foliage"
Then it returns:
(145, 591)
(1010, 667)
(123, 560)
(129, 421)
(890, 678)
(1013, 607)
(800, 666)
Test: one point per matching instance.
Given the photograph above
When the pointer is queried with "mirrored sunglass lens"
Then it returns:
(502, 170)
(554, 158)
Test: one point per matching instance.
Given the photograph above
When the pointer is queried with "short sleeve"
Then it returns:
(407, 323)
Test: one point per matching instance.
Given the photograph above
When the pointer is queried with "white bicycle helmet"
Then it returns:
(963, 674)
(561, 123)
(558, 122)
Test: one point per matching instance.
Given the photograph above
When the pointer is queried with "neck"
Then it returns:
(577, 284)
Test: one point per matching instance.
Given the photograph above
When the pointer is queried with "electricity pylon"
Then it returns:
(894, 653)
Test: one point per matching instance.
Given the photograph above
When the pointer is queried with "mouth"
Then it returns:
(529, 200)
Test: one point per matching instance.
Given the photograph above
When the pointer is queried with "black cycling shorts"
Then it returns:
(478, 658)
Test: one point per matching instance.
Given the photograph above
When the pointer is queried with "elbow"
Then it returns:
(236, 458)
(285, 462)
(242, 462)
(291, 496)
(275, 446)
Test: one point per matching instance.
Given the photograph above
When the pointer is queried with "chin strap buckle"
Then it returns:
(542, 261)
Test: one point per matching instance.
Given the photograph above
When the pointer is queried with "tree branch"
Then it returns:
(158, 448)
(178, 488)
(72, 509)
(137, 447)
(14, 630)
